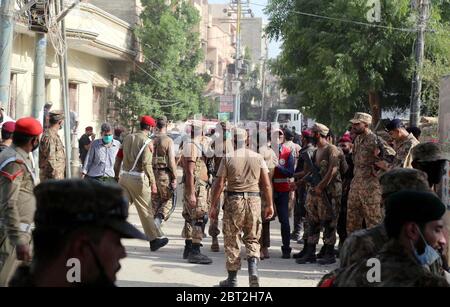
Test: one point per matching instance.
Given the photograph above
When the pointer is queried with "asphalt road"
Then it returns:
(167, 268)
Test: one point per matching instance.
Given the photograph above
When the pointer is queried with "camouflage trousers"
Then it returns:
(318, 215)
(241, 215)
(363, 205)
(162, 201)
(194, 217)
(213, 229)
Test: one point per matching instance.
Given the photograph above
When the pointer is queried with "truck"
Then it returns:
(293, 118)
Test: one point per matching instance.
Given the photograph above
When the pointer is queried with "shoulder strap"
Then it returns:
(140, 154)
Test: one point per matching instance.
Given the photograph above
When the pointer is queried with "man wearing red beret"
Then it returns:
(7, 133)
(17, 203)
(136, 178)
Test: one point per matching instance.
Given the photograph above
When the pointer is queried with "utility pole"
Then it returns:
(416, 89)
(237, 100)
(6, 39)
(62, 61)
(263, 84)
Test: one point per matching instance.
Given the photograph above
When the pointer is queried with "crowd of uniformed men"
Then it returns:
(375, 190)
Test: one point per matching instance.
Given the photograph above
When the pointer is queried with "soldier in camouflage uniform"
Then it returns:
(414, 227)
(403, 143)
(323, 199)
(364, 198)
(271, 159)
(431, 159)
(244, 173)
(165, 170)
(221, 146)
(52, 159)
(17, 203)
(195, 200)
(366, 243)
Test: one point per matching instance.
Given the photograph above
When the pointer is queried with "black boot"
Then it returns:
(158, 243)
(187, 248)
(329, 256)
(231, 281)
(286, 252)
(301, 253)
(321, 252)
(309, 256)
(253, 272)
(195, 256)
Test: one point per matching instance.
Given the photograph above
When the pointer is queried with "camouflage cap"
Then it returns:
(360, 117)
(56, 115)
(428, 152)
(320, 128)
(65, 205)
(404, 179)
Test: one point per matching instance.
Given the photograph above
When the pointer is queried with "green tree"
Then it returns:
(166, 82)
(342, 67)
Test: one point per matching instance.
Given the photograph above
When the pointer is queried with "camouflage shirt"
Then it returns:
(403, 152)
(399, 269)
(52, 159)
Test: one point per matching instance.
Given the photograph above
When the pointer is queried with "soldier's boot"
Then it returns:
(321, 253)
(301, 253)
(286, 252)
(195, 256)
(187, 248)
(158, 243)
(215, 245)
(309, 256)
(253, 272)
(329, 256)
(231, 281)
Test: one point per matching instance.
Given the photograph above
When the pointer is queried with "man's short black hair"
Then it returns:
(21, 139)
(6, 135)
(144, 126)
(161, 123)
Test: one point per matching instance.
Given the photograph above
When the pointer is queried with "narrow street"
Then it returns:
(167, 268)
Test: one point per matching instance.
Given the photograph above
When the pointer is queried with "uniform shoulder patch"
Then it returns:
(12, 170)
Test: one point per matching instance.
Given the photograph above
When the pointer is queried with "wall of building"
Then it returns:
(127, 10)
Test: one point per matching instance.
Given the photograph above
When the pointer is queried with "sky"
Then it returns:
(274, 47)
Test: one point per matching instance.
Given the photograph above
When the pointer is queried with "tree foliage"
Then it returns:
(166, 82)
(336, 66)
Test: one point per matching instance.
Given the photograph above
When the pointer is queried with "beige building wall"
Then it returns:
(100, 49)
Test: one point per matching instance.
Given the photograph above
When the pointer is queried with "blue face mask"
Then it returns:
(107, 139)
(429, 256)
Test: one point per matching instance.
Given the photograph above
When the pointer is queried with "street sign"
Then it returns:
(226, 103)
(223, 117)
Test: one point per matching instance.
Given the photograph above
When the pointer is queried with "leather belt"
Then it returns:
(244, 194)
(25, 227)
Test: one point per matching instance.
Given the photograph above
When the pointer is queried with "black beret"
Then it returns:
(411, 206)
(394, 124)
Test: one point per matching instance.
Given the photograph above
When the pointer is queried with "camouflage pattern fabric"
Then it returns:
(194, 216)
(242, 215)
(403, 157)
(52, 159)
(162, 201)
